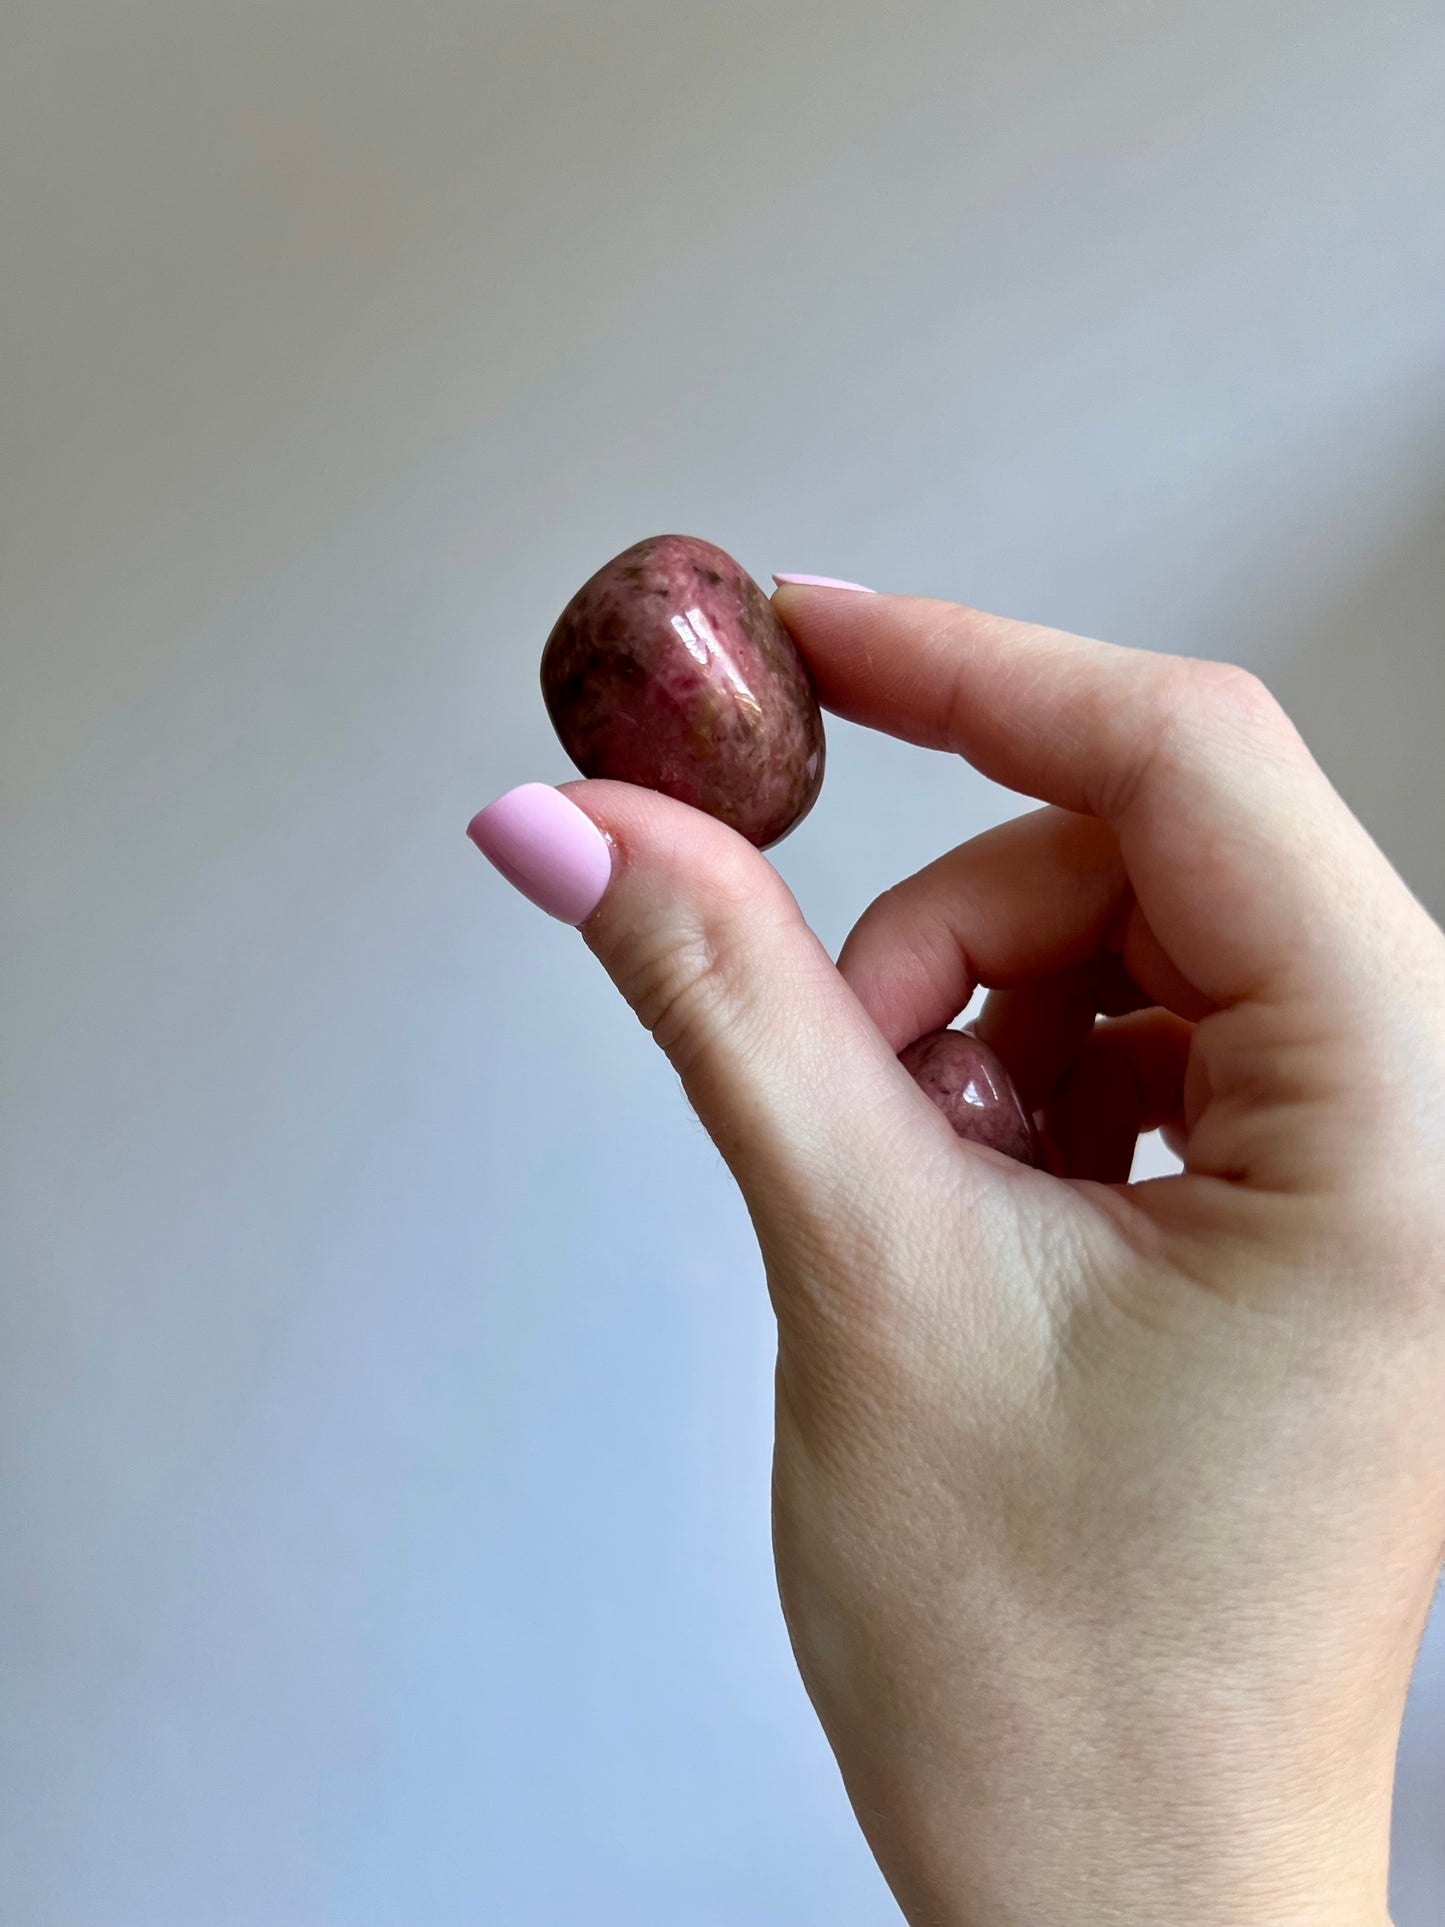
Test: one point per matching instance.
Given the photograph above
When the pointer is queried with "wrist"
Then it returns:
(1135, 1880)
(1000, 1846)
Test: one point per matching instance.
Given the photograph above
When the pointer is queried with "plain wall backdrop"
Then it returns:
(385, 1369)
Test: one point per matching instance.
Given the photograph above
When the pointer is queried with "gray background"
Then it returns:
(384, 1370)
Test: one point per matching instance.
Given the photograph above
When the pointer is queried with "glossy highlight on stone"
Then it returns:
(668, 668)
(969, 1084)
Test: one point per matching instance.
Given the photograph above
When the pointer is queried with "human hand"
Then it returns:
(1107, 1516)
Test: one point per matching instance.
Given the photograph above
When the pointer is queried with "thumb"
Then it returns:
(786, 1071)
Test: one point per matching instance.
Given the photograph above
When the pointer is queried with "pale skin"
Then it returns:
(1107, 1516)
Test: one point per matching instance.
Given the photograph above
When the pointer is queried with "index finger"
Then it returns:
(1244, 861)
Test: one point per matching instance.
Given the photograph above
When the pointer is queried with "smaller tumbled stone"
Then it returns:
(669, 668)
(971, 1086)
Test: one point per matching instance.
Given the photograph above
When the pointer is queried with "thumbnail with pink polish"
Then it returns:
(547, 848)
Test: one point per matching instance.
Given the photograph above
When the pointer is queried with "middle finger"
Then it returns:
(1031, 898)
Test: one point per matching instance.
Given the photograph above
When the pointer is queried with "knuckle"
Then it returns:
(1193, 708)
(956, 637)
(1224, 695)
(686, 973)
(679, 985)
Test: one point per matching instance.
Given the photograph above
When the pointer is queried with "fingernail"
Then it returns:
(821, 582)
(547, 848)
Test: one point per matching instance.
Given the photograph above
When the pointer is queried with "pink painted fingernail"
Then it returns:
(547, 848)
(821, 582)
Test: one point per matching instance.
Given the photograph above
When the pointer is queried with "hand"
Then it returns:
(1107, 1516)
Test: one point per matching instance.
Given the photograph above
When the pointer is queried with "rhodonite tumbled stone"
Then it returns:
(669, 669)
(969, 1084)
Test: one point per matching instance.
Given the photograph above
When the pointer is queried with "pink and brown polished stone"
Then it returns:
(670, 669)
(970, 1084)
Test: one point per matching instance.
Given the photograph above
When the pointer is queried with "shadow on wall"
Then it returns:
(1366, 686)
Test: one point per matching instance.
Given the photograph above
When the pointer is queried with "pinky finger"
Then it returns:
(1128, 1078)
